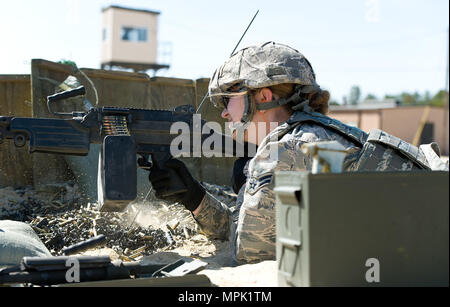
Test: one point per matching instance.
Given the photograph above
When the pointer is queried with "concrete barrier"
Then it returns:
(15, 100)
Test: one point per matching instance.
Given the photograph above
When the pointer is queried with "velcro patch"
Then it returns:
(255, 184)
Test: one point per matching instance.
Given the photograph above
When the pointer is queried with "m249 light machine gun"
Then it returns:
(123, 133)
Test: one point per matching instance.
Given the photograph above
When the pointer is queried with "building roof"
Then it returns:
(370, 104)
(130, 9)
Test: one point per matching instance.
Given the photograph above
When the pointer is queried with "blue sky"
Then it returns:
(383, 46)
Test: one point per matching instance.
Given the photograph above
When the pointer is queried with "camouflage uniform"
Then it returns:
(250, 227)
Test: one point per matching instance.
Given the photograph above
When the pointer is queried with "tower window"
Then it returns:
(131, 34)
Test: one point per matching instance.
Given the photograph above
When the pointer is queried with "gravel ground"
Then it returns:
(146, 227)
(148, 231)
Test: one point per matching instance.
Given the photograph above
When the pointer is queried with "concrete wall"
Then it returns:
(15, 100)
(114, 49)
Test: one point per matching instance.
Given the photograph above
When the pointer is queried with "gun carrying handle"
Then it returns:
(64, 95)
(176, 185)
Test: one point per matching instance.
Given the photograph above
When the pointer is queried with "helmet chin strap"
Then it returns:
(249, 110)
(250, 106)
(295, 100)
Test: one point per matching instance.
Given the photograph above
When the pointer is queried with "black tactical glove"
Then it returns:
(174, 183)
(239, 176)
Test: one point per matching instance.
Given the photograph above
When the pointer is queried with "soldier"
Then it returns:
(269, 94)
(263, 90)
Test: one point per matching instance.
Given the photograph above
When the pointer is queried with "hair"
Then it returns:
(318, 101)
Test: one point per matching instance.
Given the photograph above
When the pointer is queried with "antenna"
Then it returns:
(206, 95)
(244, 33)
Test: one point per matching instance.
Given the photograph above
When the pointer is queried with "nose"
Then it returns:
(225, 113)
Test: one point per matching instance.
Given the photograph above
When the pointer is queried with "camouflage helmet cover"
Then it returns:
(261, 66)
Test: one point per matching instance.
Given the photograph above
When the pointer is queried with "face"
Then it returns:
(262, 122)
(234, 109)
(233, 113)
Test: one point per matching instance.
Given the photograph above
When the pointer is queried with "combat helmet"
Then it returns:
(261, 66)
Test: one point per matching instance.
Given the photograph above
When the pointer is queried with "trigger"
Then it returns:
(144, 162)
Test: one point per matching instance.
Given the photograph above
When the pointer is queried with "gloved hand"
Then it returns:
(173, 182)
(239, 176)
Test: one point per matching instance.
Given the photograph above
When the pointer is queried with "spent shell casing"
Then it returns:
(85, 245)
(186, 232)
(169, 237)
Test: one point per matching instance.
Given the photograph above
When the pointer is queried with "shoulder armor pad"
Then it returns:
(354, 133)
(407, 149)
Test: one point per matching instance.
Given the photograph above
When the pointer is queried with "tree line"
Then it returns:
(405, 98)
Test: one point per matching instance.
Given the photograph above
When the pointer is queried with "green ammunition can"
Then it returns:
(362, 229)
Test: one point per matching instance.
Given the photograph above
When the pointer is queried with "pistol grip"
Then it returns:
(176, 185)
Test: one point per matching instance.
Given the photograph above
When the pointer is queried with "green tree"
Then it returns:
(68, 62)
(390, 97)
(408, 99)
(427, 97)
(344, 100)
(334, 103)
(355, 95)
(439, 99)
(370, 97)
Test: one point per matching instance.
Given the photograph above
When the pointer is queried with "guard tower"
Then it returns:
(130, 39)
